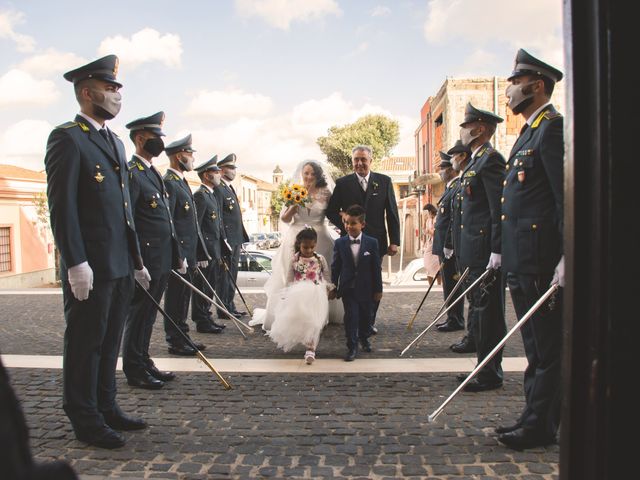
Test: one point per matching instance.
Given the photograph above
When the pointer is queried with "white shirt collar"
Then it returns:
(208, 187)
(95, 124)
(473, 154)
(143, 160)
(452, 180)
(366, 178)
(533, 116)
(180, 174)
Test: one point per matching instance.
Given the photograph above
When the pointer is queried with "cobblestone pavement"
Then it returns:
(294, 426)
(37, 321)
(284, 425)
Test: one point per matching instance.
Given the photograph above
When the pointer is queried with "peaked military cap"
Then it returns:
(228, 161)
(152, 124)
(527, 64)
(473, 114)
(445, 160)
(459, 148)
(182, 145)
(105, 68)
(208, 165)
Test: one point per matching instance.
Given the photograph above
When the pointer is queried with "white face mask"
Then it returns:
(466, 137)
(520, 96)
(186, 163)
(106, 104)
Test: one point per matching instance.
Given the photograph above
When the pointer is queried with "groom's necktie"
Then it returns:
(363, 183)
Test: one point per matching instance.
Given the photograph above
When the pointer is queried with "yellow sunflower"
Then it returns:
(303, 192)
(296, 188)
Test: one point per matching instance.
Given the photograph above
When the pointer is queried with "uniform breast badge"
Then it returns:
(153, 203)
(521, 176)
(186, 206)
(99, 177)
(213, 215)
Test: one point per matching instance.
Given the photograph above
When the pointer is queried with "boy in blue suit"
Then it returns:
(357, 273)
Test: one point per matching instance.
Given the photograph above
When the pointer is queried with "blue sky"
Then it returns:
(261, 78)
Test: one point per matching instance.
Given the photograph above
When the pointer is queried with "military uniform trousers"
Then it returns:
(227, 288)
(139, 325)
(201, 308)
(91, 346)
(542, 338)
(176, 302)
(449, 273)
(487, 323)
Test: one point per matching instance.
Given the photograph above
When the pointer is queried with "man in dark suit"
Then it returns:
(480, 241)
(442, 240)
(210, 220)
(235, 233)
(374, 192)
(532, 224)
(159, 248)
(93, 226)
(357, 276)
(193, 252)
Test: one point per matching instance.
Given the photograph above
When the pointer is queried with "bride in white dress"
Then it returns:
(311, 174)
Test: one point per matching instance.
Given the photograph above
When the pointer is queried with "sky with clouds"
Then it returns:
(260, 78)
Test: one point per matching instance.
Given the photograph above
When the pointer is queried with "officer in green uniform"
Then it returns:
(193, 252)
(460, 158)
(442, 240)
(234, 230)
(210, 219)
(480, 241)
(158, 245)
(94, 230)
(532, 224)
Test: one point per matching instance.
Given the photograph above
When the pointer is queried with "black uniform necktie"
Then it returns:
(524, 128)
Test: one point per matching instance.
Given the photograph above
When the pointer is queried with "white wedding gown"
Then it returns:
(312, 215)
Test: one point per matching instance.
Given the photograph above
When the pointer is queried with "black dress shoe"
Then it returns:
(160, 375)
(476, 386)
(366, 345)
(500, 429)
(238, 313)
(218, 325)
(461, 377)
(182, 350)
(144, 380)
(351, 355)
(208, 328)
(123, 422)
(103, 437)
(450, 327)
(522, 438)
(466, 345)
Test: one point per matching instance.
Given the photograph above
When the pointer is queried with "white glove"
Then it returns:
(203, 263)
(143, 277)
(81, 280)
(183, 269)
(558, 274)
(495, 261)
(448, 252)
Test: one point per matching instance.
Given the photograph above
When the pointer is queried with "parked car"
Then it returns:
(274, 239)
(413, 274)
(254, 268)
(260, 240)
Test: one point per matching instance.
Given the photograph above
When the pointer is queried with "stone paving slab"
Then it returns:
(37, 323)
(294, 426)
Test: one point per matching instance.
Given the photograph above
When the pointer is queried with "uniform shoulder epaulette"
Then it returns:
(546, 115)
(68, 125)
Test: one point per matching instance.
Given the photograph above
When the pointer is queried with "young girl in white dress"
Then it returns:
(303, 305)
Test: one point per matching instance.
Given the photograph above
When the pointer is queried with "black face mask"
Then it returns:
(153, 146)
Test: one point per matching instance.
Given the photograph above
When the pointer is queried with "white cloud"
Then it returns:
(380, 11)
(24, 144)
(288, 138)
(281, 13)
(147, 45)
(8, 20)
(360, 49)
(228, 103)
(539, 25)
(51, 61)
(18, 88)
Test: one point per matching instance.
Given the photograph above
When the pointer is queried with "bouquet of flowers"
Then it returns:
(295, 195)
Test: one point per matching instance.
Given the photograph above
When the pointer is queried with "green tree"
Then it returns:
(277, 202)
(379, 132)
